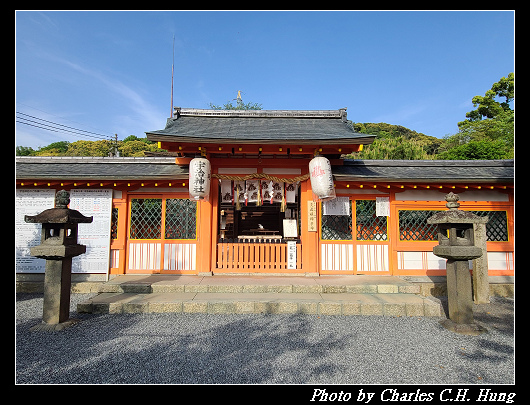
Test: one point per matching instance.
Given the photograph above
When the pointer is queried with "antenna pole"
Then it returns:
(172, 71)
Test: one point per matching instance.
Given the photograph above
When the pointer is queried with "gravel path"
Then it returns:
(205, 348)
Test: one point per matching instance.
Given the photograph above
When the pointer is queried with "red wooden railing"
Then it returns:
(256, 257)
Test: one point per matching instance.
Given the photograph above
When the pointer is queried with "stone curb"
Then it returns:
(400, 305)
(144, 288)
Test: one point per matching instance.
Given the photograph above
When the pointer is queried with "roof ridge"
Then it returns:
(200, 112)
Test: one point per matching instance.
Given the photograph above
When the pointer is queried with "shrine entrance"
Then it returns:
(260, 233)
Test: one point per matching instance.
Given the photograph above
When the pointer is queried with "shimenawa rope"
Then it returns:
(261, 176)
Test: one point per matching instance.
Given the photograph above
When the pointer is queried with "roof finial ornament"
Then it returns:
(343, 114)
(452, 201)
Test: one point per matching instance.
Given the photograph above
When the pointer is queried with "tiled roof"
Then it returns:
(99, 168)
(260, 126)
(426, 170)
(158, 168)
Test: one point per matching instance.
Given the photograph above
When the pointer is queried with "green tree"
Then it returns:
(484, 149)
(395, 142)
(490, 125)
(53, 149)
(398, 148)
(136, 148)
(24, 151)
(130, 146)
(487, 106)
(136, 138)
(89, 148)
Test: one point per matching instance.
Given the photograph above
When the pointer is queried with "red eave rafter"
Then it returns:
(397, 187)
(340, 185)
(132, 184)
(265, 149)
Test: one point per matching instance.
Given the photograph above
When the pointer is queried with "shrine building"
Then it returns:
(263, 191)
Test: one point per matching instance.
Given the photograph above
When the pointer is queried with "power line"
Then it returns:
(65, 126)
(53, 129)
(64, 119)
(56, 127)
(37, 126)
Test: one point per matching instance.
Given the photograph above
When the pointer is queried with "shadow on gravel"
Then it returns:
(245, 349)
(496, 317)
(204, 348)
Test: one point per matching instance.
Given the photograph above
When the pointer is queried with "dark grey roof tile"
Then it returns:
(426, 170)
(99, 168)
(264, 126)
(152, 168)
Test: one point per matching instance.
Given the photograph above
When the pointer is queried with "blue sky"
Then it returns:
(110, 72)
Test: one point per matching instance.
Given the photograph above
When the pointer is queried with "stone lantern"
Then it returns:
(58, 246)
(456, 244)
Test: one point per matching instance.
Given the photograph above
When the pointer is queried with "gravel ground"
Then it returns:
(265, 349)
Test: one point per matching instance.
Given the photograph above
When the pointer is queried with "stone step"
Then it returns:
(398, 304)
(230, 284)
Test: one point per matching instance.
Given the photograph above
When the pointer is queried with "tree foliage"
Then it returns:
(130, 146)
(136, 148)
(398, 147)
(24, 151)
(487, 106)
(89, 148)
(489, 131)
(476, 150)
(395, 142)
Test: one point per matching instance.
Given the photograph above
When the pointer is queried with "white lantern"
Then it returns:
(321, 178)
(200, 173)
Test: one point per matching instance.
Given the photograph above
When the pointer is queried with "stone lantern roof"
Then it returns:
(60, 214)
(454, 215)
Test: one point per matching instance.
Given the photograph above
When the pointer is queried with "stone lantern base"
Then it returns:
(51, 327)
(471, 329)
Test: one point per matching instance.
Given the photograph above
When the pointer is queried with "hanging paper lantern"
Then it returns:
(200, 173)
(321, 178)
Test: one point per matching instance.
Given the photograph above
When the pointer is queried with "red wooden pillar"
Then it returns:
(310, 246)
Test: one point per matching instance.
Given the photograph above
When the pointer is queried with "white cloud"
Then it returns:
(143, 117)
(402, 114)
(466, 104)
